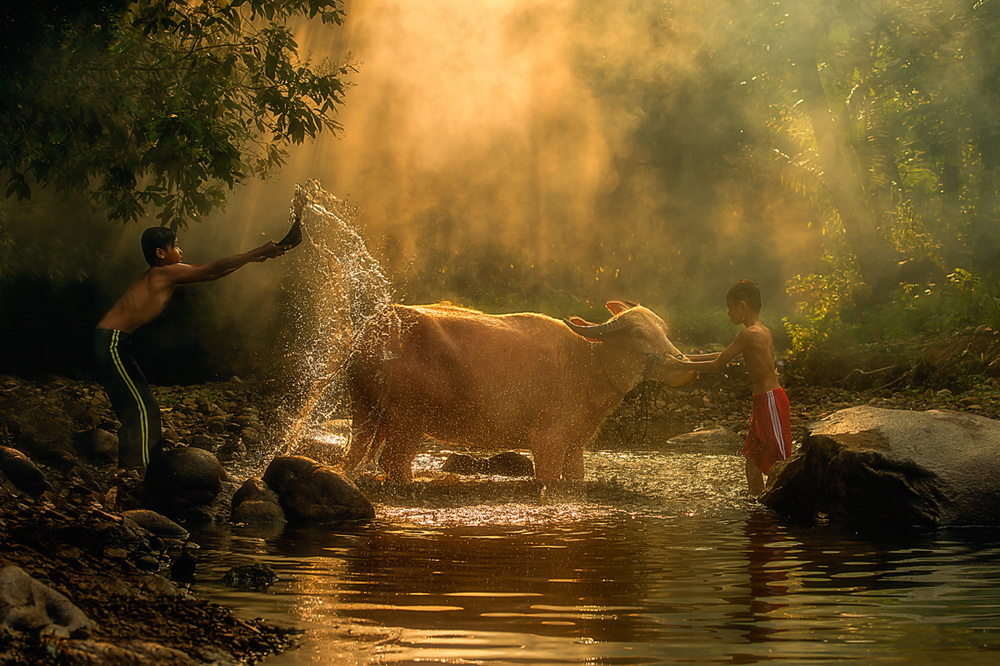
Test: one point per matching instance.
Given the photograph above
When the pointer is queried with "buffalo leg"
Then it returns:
(548, 462)
(398, 454)
(572, 467)
(365, 437)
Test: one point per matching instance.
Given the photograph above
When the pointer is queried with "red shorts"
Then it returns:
(770, 436)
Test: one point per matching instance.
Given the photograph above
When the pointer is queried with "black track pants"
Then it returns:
(130, 396)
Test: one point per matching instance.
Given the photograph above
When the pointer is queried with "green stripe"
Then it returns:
(143, 418)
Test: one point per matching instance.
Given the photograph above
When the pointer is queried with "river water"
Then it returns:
(657, 558)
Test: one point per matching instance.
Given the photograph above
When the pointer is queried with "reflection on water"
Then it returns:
(681, 568)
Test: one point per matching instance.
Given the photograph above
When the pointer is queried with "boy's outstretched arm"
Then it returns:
(703, 357)
(712, 362)
(213, 270)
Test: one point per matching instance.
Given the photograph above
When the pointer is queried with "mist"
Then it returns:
(545, 155)
(549, 155)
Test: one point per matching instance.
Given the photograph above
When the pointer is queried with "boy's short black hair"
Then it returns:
(156, 237)
(746, 291)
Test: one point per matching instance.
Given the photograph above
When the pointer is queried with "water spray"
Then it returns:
(344, 292)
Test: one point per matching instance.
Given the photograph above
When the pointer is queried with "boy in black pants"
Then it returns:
(141, 303)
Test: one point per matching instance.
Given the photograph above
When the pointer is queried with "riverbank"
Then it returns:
(65, 522)
(139, 590)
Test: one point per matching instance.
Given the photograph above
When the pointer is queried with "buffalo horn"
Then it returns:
(597, 330)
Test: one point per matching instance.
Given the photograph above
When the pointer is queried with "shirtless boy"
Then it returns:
(142, 302)
(770, 438)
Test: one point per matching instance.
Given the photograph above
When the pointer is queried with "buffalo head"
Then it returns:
(639, 330)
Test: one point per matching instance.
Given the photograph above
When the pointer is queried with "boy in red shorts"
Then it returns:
(770, 436)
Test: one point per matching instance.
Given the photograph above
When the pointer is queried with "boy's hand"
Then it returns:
(271, 250)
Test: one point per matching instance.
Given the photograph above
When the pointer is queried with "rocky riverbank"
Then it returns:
(85, 577)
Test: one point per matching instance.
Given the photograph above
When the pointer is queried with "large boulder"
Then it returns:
(313, 493)
(182, 482)
(27, 605)
(885, 466)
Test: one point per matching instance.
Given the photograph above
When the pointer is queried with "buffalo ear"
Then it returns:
(616, 307)
(631, 304)
(580, 321)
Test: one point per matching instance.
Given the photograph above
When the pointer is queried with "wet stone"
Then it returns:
(313, 493)
(254, 503)
(250, 577)
(511, 463)
(462, 463)
(258, 512)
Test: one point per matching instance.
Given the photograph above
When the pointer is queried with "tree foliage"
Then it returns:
(159, 104)
(883, 114)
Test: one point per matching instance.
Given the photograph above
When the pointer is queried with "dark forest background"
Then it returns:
(844, 154)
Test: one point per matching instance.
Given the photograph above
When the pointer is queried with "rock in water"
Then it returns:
(255, 503)
(511, 463)
(180, 481)
(27, 605)
(250, 577)
(21, 472)
(313, 493)
(885, 466)
(461, 463)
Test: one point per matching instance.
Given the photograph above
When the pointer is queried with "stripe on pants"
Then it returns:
(779, 436)
(143, 417)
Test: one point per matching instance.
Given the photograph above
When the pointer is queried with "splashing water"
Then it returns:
(340, 290)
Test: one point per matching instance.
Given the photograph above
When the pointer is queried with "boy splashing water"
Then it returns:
(770, 437)
(130, 395)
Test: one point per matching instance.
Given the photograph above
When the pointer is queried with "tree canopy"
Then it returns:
(158, 104)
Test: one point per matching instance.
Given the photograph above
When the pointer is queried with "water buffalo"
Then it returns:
(497, 381)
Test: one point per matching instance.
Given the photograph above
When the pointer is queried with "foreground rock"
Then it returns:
(27, 605)
(155, 523)
(313, 493)
(23, 474)
(884, 466)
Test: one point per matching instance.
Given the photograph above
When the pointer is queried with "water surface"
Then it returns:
(659, 559)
